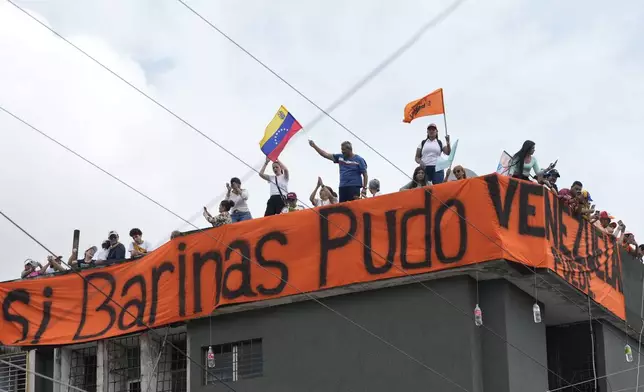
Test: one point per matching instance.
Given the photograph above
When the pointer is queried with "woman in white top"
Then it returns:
(240, 211)
(429, 151)
(524, 162)
(278, 185)
(327, 195)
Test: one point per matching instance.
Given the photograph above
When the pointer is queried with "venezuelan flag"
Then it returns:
(278, 132)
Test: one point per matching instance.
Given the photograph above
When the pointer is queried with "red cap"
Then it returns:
(604, 215)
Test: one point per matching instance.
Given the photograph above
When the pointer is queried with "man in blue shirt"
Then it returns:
(353, 171)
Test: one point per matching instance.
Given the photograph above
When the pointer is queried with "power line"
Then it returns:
(41, 375)
(443, 15)
(413, 39)
(246, 164)
(106, 296)
(356, 324)
(447, 12)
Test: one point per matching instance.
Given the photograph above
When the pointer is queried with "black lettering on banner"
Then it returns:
(198, 261)
(283, 268)
(18, 295)
(103, 307)
(245, 289)
(182, 279)
(327, 244)
(157, 272)
(462, 231)
(580, 230)
(593, 256)
(563, 230)
(425, 211)
(616, 281)
(46, 315)
(138, 303)
(552, 225)
(526, 210)
(503, 211)
(390, 218)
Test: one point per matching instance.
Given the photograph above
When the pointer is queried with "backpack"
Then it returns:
(422, 144)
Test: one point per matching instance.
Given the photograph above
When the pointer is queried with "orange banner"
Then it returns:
(426, 106)
(405, 233)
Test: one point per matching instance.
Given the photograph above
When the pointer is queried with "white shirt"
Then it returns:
(240, 201)
(320, 202)
(101, 255)
(283, 183)
(145, 245)
(296, 208)
(430, 152)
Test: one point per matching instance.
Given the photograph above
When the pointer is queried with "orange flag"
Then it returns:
(426, 106)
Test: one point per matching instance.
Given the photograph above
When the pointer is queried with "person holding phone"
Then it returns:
(224, 214)
(240, 211)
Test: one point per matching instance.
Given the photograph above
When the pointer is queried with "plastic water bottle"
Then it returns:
(536, 313)
(629, 353)
(478, 316)
(211, 357)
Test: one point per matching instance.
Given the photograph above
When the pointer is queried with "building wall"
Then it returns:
(308, 348)
(611, 359)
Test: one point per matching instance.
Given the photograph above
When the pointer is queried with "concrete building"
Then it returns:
(391, 335)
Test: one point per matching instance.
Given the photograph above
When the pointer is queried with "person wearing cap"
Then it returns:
(603, 222)
(32, 269)
(353, 171)
(86, 261)
(117, 250)
(586, 209)
(291, 203)
(549, 179)
(374, 187)
(327, 195)
(240, 211)
(138, 247)
(429, 151)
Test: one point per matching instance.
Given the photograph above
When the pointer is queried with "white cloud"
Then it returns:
(566, 75)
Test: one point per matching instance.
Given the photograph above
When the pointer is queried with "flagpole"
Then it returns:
(444, 113)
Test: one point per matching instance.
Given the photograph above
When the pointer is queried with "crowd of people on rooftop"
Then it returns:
(353, 184)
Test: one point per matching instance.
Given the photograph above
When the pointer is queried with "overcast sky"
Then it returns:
(567, 75)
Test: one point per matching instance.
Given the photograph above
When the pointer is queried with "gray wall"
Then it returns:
(508, 312)
(308, 348)
(611, 359)
(633, 278)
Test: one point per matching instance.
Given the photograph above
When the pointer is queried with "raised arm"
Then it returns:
(284, 169)
(320, 151)
(315, 191)
(263, 169)
(55, 264)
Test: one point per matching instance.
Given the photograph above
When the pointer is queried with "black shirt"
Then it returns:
(117, 252)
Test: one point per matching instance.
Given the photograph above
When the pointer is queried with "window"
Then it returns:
(13, 379)
(171, 370)
(234, 361)
(124, 360)
(82, 372)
